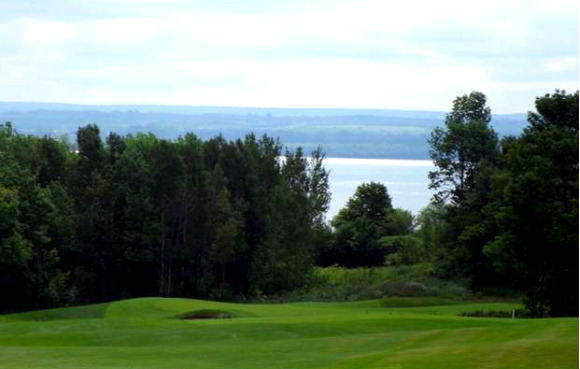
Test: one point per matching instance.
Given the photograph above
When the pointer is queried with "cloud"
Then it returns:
(368, 53)
(562, 64)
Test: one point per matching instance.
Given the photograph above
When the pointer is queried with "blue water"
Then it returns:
(406, 181)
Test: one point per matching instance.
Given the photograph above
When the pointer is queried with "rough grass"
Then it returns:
(143, 333)
(352, 284)
(405, 302)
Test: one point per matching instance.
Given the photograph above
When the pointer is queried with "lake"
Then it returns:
(406, 181)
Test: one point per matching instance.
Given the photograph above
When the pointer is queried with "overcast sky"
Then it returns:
(300, 53)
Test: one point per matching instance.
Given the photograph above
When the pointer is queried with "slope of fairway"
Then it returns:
(146, 333)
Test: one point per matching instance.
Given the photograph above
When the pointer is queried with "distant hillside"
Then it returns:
(355, 133)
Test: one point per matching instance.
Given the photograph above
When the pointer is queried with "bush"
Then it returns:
(344, 284)
(406, 289)
(404, 250)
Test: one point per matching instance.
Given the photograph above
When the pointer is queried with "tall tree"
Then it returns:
(458, 148)
(285, 253)
(15, 254)
(168, 192)
(536, 208)
(51, 160)
(227, 235)
(465, 152)
(141, 216)
(140, 227)
(318, 187)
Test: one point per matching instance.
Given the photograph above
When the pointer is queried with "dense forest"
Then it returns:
(143, 216)
(105, 218)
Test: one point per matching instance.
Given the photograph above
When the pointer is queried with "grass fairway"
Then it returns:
(144, 333)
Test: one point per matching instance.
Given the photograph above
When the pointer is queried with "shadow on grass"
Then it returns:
(95, 311)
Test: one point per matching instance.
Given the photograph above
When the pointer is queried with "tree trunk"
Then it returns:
(223, 281)
(162, 258)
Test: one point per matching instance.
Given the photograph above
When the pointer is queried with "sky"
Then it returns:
(412, 54)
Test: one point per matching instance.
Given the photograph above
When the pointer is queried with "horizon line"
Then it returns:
(235, 107)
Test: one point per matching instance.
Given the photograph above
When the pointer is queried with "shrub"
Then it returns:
(344, 284)
(404, 250)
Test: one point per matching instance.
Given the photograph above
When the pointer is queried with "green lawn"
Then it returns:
(144, 333)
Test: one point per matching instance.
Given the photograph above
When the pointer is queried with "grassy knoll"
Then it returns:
(146, 333)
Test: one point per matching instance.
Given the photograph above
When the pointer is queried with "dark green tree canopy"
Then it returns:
(370, 200)
(558, 109)
(140, 216)
(360, 225)
(470, 108)
(460, 145)
(536, 208)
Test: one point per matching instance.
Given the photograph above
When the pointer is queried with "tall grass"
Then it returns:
(349, 284)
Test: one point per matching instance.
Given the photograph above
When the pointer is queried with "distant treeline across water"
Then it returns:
(342, 133)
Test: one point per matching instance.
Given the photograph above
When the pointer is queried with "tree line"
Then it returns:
(511, 219)
(138, 215)
(504, 216)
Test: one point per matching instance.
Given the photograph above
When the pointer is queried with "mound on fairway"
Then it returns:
(95, 311)
(143, 333)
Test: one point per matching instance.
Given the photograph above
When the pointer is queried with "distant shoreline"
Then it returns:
(342, 133)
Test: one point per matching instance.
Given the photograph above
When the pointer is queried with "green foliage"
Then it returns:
(51, 161)
(349, 284)
(31, 235)
(465, 152)
(399, 222)
(558, 109)
(458, 147)
(318, 187)
(284, 258)
(227, 240)
(536, 209)
(405, 250)
(432, 227)
(370, 200)
(360, 225)
(368, 231)
(139, 216)
(513, 218)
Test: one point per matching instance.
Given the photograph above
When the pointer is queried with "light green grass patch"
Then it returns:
(143, 333)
